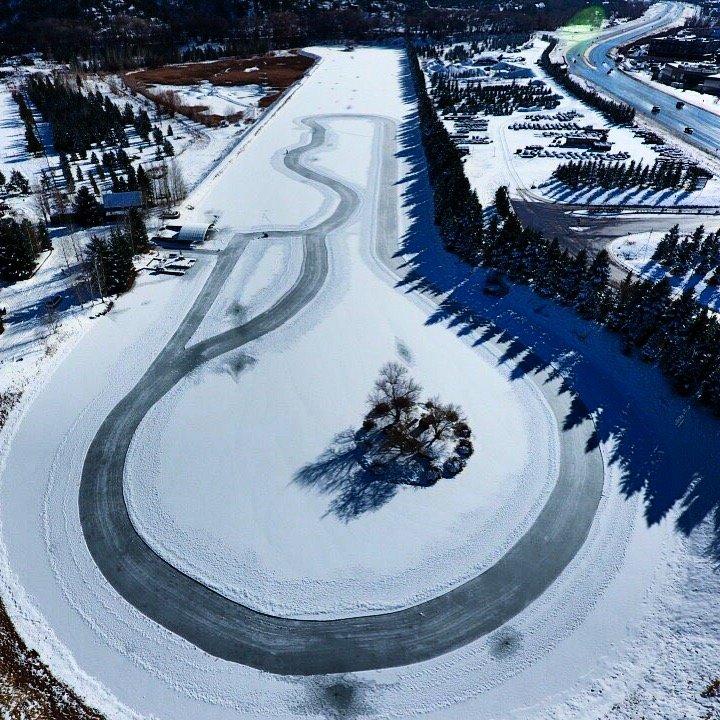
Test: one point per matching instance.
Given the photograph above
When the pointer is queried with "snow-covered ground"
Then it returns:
(497, 163)
(623, 631)
(251, 527)
(635, 252)
(218, 100)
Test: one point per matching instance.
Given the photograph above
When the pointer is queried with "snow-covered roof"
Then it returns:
(122, 200)
(192, 232)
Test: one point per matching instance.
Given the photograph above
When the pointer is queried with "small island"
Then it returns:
(409, 440)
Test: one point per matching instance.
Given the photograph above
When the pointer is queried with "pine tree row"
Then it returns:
(456, 210)
(79, 119)
(663, 174)
(31, 137)
(496, 99)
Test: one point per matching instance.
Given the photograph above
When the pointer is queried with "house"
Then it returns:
(121, 202)
(686, 76)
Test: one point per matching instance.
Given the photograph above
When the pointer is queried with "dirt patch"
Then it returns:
(275, 73)
(28, 691)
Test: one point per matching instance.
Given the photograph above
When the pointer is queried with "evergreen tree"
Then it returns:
(19, 183)
(17, 251)
(87, 210)
(590, 302)
(144, 185)
(502, 201)
(33, 143)
(120, 273)
(137, 232)
(574, 274)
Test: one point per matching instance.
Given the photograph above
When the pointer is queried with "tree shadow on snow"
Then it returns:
(341, 472)
(666, 448)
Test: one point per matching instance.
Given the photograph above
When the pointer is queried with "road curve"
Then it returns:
(236, 633)
(591, 60)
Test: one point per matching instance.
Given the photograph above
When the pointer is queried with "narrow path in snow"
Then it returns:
(236, 633)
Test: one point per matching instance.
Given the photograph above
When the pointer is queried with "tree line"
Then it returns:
(677, 333)
(34, 145)
(661, 175)
(618, 112)
(698, 252)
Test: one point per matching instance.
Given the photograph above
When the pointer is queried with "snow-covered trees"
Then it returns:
(78, 120)
(431, 439)
(136, 231)
(109, 262)
(698, 252)
(677, 333)
(497, 99)
(458, 213)
(33, 142)
(18, 183)
(663, 174)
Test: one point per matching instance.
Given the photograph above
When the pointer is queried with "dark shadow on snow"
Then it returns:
(342, 472)
(666, 448)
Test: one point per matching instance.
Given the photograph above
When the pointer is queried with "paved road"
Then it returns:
(236, 633)
(591, 60)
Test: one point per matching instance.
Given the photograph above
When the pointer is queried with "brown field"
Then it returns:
(275, 73)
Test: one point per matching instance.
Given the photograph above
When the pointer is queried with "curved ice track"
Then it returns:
(236, 633)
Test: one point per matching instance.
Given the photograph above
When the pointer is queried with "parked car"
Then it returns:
(655, 109)
(689, 131)
(680, 104)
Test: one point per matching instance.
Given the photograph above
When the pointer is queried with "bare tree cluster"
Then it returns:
(401, 427)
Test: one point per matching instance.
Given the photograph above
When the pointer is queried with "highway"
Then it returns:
(234, 632)
(591, 60)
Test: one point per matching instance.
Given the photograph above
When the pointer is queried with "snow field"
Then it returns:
(598, 632)
(218, 100)
(250, 529)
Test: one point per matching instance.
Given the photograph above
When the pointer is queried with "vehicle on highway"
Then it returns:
(609, 72)
(689, 130)
(655, 109)
(680, 104)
